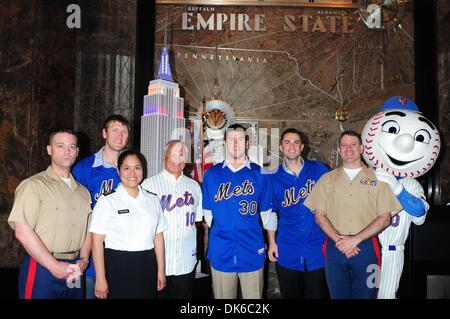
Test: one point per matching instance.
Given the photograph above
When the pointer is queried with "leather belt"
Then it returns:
(67, 255)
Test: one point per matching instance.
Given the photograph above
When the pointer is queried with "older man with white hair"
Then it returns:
(181, 199)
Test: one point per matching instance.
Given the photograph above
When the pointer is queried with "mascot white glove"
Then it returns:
(389, 179)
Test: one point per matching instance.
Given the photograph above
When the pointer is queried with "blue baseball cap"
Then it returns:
(400, 103)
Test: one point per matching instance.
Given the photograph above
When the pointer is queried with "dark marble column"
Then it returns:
(15, 95)
(105, 62)
(37, 95)
(53, 76)
(443, 79)
(15, 104)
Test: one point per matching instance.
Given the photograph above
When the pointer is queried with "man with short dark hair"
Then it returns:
(297, 249)
(352, 208)
(98, 172)
(50, 217)
(237, 206)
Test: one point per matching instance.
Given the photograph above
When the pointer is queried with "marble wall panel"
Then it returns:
(53, 76)
(15, 103)
(37, 95)
(105, 66)
(443, 75)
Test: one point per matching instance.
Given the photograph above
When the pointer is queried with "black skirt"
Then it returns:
(131, 274)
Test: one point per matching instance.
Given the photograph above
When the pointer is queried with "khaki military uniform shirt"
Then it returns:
(59, 215)
(353, 205)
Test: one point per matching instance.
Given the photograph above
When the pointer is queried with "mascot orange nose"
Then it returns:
(404, 143)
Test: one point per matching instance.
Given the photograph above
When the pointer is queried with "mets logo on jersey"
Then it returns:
(225, 192)
(289, 194)
(186, 200)
(105, 188)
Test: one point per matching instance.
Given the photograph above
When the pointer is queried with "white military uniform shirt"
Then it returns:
(181, 201)
(128, 223)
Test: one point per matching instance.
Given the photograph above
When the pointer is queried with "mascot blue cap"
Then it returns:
(400, 103)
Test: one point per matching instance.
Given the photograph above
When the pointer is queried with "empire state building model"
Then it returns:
(163, 116)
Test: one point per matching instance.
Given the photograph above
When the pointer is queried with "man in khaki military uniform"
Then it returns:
(50, 219)
(352, 208)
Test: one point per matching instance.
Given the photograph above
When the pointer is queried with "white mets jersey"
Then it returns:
(397, 232)
(181, 201)
(393, 238)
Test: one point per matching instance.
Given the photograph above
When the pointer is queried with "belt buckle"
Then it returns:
(392, 247)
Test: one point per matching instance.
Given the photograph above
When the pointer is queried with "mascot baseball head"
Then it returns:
(400, 140)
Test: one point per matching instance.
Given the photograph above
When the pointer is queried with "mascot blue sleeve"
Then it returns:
(412, 202)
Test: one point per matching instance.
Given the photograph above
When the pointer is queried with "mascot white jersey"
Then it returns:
(402, 145)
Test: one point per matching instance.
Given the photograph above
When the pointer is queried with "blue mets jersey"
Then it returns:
(299, 238)
(239, 202)
(99, 178)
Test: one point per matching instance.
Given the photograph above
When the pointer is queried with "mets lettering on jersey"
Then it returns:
(224, 190)
(239, 200)
(299, 238)
(186, 200)
(289, 194)
(105, 188)
(245, 189)
(181, 203)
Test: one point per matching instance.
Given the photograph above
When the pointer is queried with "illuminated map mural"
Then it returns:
(297, 64)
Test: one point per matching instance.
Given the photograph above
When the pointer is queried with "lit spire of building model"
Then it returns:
(164, 67)
(163, 116)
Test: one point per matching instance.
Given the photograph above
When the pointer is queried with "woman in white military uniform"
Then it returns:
(130, 223)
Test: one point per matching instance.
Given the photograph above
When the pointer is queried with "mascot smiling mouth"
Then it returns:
(396, 161)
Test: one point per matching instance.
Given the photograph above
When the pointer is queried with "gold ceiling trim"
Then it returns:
(277, 3)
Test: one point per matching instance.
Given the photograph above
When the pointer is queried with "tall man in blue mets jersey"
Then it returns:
(297, 249)
(237, 206)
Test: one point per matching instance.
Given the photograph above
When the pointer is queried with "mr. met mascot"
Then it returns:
(402, 145)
